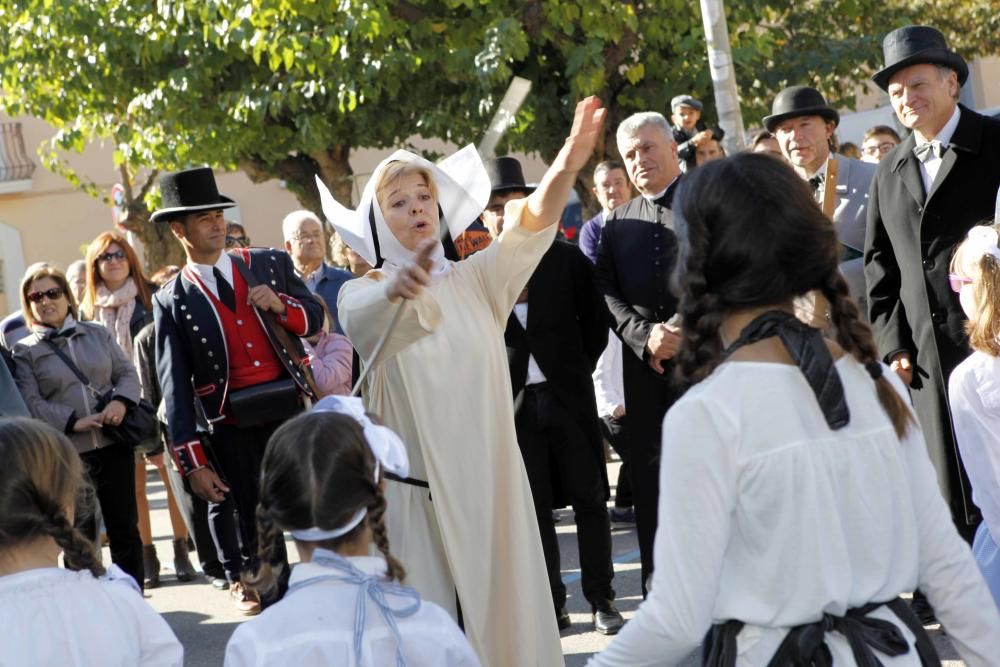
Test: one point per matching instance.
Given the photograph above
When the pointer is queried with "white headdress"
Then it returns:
(981, 241)
(463, 192)
(389, 451)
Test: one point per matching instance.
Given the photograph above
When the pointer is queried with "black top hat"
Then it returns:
(505, 175)
(799, 101)
(915, 45)
(189, 191)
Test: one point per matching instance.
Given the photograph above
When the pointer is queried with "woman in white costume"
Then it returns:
(797, 499)
(463, 521)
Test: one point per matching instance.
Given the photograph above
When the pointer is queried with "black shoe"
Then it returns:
(562, 619)
(621, 515)
(922, 609)
(607, 619)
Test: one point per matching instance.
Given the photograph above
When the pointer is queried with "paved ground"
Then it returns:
(203, 618)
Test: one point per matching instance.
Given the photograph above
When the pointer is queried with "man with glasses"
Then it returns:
(878, 141)
(305, 243)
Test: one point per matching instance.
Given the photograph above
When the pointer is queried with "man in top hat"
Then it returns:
(507, 180)
(927, 193)
(227, 337)
(689, 130)
(636, 258)
(803, 123)
(554, 337)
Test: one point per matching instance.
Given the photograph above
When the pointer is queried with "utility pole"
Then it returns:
(720, 62)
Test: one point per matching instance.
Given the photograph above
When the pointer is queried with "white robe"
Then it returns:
(444, 386)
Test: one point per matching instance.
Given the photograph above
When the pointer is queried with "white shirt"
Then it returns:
(769, 517)
(535, 375)
(974, 395)
(204, 271)
(314, 627)
(929, 169)
(609, 387)
(51, 616)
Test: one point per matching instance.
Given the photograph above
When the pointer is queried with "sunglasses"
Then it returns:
(51, 294)
(235, 241)
(109, 256)
(957, 282)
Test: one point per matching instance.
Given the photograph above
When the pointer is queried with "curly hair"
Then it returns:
(41, 480)
(318, 471)
(752, 235)
(984, 270)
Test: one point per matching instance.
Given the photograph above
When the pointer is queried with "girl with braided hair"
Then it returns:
(52, 616)
(797, 499)
(322, 481)
(974, 389)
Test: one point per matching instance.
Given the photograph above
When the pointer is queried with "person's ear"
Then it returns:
(178, 229)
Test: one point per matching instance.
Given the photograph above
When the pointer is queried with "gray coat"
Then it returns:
(56, 396)
(850, 217)
(910, 241)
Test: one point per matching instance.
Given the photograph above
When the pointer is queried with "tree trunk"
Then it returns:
(720, 61)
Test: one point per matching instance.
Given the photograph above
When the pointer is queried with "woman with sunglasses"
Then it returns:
(56, 395)
(118, 295)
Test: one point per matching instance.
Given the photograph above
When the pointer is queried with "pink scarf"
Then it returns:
(114, 310)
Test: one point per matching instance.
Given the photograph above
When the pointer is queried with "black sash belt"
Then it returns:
(805, 645)
(405, 480)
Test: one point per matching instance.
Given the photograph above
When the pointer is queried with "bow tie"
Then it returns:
(924, 152)
(816, 182)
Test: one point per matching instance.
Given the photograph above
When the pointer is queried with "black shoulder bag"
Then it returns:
(139, 428)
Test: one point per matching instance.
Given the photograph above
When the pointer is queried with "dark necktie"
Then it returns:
(226, 294)
(816, 182)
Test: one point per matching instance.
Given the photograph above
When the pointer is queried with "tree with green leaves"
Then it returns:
(289, 88)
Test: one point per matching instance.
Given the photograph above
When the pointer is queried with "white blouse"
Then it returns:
(974, 394)
(769, 517)
(51, 616)
(313, 626)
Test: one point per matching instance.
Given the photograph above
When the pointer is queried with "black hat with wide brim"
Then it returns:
(917, 45)
(797, 101)
(506, 175)
(189, 191)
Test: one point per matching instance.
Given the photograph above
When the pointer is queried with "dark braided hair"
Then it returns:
(318, 471)
(41, 477)
(751, 235)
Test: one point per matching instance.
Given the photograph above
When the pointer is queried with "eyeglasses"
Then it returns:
(315, 236)
(51, 294)
(117, 255)
(957, 282)
(878, 149)
(236, 241)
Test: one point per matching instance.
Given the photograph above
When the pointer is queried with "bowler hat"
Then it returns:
(797, 101)
(916, 45)
(685, 101)
(505, 175)
(189, 191)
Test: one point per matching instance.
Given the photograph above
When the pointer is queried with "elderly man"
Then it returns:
(935, 185)
(612, 189)
(803, 124)
(638, 253)
(306, 245)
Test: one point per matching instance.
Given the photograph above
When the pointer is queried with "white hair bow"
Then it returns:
(982, 240)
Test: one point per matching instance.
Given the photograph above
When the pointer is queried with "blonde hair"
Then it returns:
(338, 251)
(396, 170)
(984, 270)
(37, 272)
(97, 248)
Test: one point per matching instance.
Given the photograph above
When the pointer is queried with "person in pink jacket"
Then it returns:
(331, 357)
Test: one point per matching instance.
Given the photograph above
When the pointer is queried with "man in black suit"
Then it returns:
(637, 255)
(554, 337)
(927, 193)
(214, 346)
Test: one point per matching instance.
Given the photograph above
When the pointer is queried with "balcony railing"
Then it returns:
(15, 165)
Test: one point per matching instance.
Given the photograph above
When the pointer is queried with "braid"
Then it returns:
(269, 539)
(376, 519)
(856, 338)
(78, 552)
(701, 343)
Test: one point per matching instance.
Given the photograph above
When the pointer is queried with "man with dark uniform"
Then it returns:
(227, 336)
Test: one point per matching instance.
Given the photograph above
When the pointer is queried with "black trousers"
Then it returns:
(111, 471)
(615, 431)
(238, 454)
(552, 440)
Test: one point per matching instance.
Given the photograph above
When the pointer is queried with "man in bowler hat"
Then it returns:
(927, 193)
(214, 347)
(803, 123)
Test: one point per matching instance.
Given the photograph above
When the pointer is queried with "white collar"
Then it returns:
(224, 264)
(944, 136)
(463, 192)
(653, 198)
(368, 564)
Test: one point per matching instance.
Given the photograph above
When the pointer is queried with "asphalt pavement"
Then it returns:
(203, 618)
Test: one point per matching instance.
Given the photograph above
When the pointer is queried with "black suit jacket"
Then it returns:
(191, 359)
(908, 247)
(636, 259)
